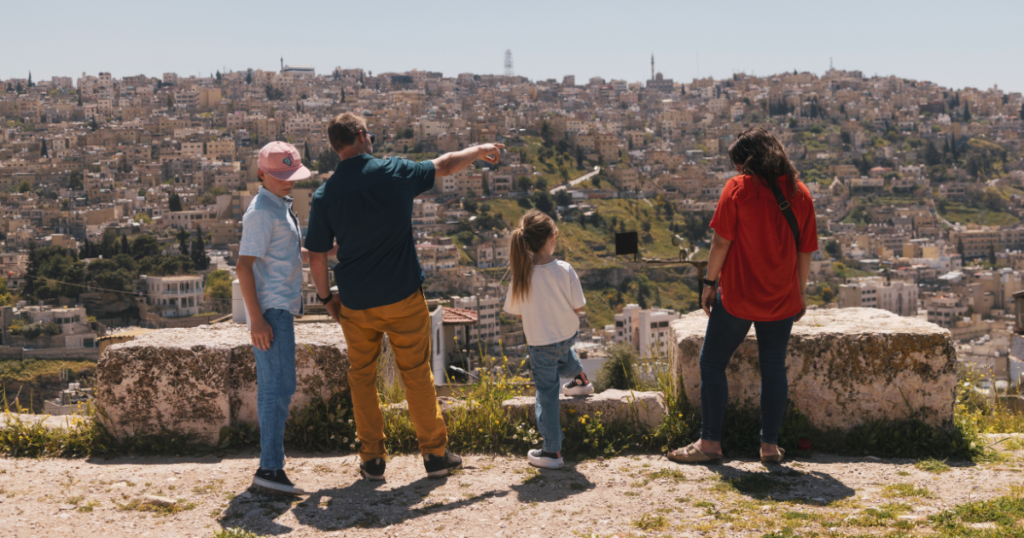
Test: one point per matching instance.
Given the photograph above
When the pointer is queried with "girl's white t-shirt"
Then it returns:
(548, 312)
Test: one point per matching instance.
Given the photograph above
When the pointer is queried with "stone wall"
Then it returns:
(845, 367)
(200, 379)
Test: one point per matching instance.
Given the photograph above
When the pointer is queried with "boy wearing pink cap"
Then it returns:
(270, 275)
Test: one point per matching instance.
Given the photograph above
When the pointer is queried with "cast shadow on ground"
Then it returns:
(550, 485)
(782, 483)
(361, 504)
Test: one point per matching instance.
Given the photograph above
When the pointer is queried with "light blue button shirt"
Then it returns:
(271, 234)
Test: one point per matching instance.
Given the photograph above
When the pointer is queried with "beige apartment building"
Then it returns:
(897, 296)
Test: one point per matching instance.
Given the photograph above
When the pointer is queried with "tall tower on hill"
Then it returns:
(509, 72)
(652, 66)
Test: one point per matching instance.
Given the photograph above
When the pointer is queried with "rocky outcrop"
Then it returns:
(845, 367)
(200, 379)
(647, 408)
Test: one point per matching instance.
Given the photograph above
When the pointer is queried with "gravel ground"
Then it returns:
(491, 496)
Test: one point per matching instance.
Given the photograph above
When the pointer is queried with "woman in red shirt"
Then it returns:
(756, 274)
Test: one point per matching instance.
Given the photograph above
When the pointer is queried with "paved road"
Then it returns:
(581, 179)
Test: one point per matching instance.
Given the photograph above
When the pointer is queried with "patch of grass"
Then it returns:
(208, 489)
(704, 504)
(932, 465)
(802, 516)
(905, 491)
(650, 522)
(882, 516)
(1003, 511)
(139, 505)
(235, 532)
(87, 507)
(671, 474)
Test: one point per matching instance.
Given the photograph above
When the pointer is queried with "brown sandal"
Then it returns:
(775, 458)
(691, 454)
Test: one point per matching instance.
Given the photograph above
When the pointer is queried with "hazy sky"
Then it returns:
(953, 43)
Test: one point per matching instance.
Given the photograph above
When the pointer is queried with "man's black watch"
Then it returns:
(711, 283)
(326, 300)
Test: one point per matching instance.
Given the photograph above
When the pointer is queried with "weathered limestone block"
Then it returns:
(845, 366)
(615, 405)
(200, 379)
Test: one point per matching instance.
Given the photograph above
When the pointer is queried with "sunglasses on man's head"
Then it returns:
(373, 137)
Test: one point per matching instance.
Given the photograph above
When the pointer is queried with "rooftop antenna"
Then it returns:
(830, 63)
(282, 63)
(652, 66)
(509, 72)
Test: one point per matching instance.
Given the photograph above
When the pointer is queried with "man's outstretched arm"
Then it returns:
(450, 163)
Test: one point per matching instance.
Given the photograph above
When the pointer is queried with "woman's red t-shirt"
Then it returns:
(759, 280)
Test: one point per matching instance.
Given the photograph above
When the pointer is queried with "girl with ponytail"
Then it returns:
(547, 295)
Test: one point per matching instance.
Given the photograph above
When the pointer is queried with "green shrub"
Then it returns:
(619, 369)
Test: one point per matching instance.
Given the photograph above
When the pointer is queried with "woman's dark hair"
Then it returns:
(761, 155)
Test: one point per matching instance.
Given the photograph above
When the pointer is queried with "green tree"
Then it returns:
(174, 202)
(469, 204)
(541, 183)
(43, 152)
(75, 180)
(960, 248)
(563, 198)
(24, 187)
(5, 295)
(218, 284)
(524, 183)
(327, 160)
(199, 258)
(183, 237)
(542, 201)
(967, 113)
(125, 249)
(992, 255)
(170, 100)
(145, 245)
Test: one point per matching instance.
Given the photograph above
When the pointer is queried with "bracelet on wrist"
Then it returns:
(711, 283)
(325, 300)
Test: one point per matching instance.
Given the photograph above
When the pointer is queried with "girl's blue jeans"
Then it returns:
(549, 364)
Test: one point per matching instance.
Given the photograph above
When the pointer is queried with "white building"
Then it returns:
(487, 308)
(898, 297)
(646, 330)
(174, 296)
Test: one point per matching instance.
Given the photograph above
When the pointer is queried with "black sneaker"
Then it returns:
(373, 469)
(276, 481)
(440, 466)
(578, 386)
(547, 460)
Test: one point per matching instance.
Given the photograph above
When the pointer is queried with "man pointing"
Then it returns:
(367, 207)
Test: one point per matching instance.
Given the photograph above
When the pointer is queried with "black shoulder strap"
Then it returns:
(787, 211)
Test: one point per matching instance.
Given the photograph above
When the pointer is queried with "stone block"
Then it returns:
(648, 408)
(845, 366)
(200, 379)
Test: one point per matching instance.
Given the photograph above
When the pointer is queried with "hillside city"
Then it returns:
(121, 197)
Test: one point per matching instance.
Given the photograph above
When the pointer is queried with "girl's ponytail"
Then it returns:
(529, 237)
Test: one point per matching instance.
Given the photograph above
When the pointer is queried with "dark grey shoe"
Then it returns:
(373, 469)
(438, 466)
(276, 481)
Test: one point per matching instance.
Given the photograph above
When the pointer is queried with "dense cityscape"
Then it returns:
(122, 196)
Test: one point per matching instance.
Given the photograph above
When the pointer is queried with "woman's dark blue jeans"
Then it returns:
(725, 333)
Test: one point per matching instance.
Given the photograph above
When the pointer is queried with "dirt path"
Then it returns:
(492, 496)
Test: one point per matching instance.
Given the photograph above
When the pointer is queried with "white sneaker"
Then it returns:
(572, 389)
(535, 459)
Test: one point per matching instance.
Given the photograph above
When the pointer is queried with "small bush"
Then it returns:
(619, 369)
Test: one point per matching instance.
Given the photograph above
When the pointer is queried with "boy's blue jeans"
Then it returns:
(725, 333)
(548, 364)
(275, 384)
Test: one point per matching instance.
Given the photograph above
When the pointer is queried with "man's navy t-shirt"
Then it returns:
(367, 206)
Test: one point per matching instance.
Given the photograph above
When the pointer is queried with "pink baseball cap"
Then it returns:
(282, 160)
